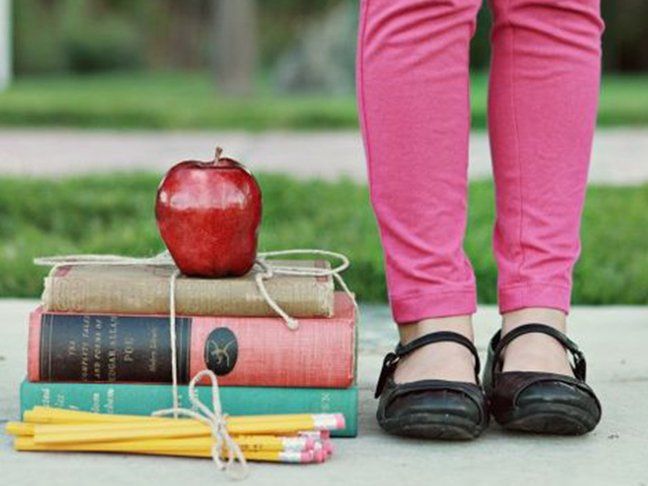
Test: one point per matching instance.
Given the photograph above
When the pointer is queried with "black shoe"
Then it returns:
(432, 409)
(542, 403)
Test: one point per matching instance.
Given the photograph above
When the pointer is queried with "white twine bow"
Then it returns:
(223, 442)
(216, 420)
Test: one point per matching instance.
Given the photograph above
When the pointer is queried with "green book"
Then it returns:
(144, 399)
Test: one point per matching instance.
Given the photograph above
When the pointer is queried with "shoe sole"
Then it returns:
(551, 419)
(432, 426)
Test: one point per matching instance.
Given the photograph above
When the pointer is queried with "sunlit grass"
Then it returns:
(114, 214)
(175, 101)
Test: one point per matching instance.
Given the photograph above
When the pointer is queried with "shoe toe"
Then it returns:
(438, 413)
(545, 404)
(434, 402)
(559, 394)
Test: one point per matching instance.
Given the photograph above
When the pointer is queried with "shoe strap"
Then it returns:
(402, 350)
(579, 367)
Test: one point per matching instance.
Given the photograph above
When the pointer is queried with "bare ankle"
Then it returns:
(458, 324)
(535, 352)
(445, 360)
(542, 315)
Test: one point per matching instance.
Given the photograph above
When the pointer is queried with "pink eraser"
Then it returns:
(328, 446)
(320, 455)
(309, 443)
(339, 419)
(307, 456)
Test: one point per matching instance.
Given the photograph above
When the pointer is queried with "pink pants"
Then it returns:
(413, 90)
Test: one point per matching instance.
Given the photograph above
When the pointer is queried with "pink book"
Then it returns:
(243, 351)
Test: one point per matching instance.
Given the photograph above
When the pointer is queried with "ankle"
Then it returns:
(535, 351)
(444, 360)
(459, 324)
(542, 315)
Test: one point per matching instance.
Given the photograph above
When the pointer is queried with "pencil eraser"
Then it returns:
(339, 420)
(320, 455)
(328, 446)
(309, 443)
(307, 456)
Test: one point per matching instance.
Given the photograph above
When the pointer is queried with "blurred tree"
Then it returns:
(480, 45)
(625, 40)
(38, 37)
(323, 60)
(186, 34)
(81, 35)
(101, 36)
(235, 39)
(282, 24)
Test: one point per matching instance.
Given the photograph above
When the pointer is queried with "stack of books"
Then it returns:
(100, 342)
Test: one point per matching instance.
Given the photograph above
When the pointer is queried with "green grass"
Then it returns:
(183, 101)
(114, 214)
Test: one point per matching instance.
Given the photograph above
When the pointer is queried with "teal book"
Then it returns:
(144, 399)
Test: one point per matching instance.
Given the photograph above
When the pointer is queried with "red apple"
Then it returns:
(208, 214)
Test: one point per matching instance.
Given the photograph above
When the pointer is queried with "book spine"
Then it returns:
(241, 351)
(145, 399)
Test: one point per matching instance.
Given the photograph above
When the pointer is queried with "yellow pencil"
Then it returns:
(275, 443)
(60, 429)
(296, 438)
(69, 414)
(249, 443)
(78, 433)
(43, 415)
(165, 447)
(48, 434)
(48, 415)
(256, 442)
(19, 428)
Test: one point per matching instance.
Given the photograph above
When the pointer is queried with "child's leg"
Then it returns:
(414, 110)
(542, 110)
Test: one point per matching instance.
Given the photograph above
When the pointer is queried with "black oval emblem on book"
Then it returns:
(221, 351)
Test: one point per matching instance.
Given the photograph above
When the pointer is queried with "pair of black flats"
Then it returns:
(536, 402)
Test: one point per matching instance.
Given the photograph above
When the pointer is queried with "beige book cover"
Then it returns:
(144, 289)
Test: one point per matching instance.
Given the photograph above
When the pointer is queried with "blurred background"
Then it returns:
(99, 97)
(283, 46)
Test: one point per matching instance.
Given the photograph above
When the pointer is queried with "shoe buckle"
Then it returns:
(388, 367)
(580, 366)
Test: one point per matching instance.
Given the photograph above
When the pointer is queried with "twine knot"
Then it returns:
(234, 465)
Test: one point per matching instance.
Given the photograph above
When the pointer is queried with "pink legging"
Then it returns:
(413, 91)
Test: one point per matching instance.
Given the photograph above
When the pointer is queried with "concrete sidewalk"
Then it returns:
(614, 340)
(618, 157)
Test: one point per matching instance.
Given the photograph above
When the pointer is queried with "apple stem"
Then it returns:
(219, 152)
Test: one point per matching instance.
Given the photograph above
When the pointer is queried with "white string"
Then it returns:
(223, 444)
(173, 340)
(269, 270)
(263, 270)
